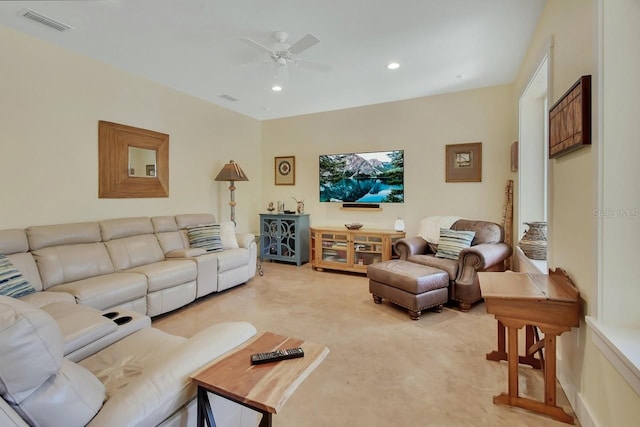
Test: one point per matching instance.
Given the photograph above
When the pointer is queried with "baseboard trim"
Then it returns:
(575, 398)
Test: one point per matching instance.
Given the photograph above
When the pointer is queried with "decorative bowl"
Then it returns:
(354, 226)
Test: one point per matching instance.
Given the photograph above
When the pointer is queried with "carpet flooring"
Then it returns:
(383, 369)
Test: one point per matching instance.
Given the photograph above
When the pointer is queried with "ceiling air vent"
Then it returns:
(229, 98)
(45, 20)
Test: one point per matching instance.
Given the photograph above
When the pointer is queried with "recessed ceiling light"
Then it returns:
(276, 88)
(393, 66)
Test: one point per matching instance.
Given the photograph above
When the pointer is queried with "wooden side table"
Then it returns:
(264, 388)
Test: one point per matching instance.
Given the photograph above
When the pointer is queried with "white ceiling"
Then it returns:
(194, 46)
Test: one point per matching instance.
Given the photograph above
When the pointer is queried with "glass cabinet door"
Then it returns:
(287, 238)
(334, 247)
(367, 249)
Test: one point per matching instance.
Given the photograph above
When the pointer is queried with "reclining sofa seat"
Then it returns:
(72, 258)
(217, 271)
(122, 385)
(487, 252)
(134, 248)
(15, 246)
(85, 330)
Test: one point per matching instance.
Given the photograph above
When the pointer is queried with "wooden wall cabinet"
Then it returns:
(351, 250)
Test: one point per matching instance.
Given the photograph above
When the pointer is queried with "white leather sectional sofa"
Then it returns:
(81, 350)
(143, 379)
(143, 264)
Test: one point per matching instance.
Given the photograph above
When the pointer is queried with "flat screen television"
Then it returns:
(372, 177)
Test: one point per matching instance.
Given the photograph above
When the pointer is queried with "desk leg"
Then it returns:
(550, 370)
(513, 363)
(266, 420)
(205, 414)
(501, 353)
(548, 407)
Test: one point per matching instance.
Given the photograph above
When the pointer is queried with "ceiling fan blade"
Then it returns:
(304, 43)
(253, 43)
(325, 68)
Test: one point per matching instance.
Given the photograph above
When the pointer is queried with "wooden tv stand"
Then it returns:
(335, 248)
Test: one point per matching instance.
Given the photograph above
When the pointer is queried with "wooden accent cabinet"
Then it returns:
(336, 248)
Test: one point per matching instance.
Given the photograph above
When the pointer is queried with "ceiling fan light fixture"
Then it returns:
(393, 65)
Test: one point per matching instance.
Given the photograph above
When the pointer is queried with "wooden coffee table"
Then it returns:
(264, 388)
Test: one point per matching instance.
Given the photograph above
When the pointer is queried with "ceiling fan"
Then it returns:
(283, 54)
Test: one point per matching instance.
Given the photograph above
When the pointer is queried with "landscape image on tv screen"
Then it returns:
(376, 177)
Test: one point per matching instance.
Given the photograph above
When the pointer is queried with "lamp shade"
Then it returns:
(231, 172)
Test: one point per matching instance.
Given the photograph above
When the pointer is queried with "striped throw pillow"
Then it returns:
(12, 282)
(206, 236)
(452, 242)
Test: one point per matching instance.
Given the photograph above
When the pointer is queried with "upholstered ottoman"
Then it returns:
(413, 286)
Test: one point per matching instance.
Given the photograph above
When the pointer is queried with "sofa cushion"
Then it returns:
(486, 232)
(12, 282)
(106, 291)
(186, 220)
(35, 380)
(163, 224)
(228, 235)
(452, 242)
(44, 236)
(68, 263)
(166, 274)
(40, 299)
(156, 384)
(13, 241)
(80, 325)
(134, 251)
(26, 264)
(205, 236)
(125, 227)
(71, 398)
(30, 348)
(448, 265)
(232, 258)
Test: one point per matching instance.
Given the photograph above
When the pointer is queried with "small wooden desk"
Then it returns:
(548, 302)
(264, 388)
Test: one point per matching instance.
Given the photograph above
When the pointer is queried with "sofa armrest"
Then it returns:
(479, 258)
(411, 246)
(185, 253)
(165, 385)
(245, 239)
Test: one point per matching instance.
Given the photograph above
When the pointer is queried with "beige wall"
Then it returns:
(50, 103)
(598, 393)
(421, 127)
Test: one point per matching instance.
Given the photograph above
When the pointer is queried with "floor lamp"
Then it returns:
(232, 172)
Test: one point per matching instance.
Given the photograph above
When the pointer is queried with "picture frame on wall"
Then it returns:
(570, 119)
(514, 157)
(285, 170)
(464, 162)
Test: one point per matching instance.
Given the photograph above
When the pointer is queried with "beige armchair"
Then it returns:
(487, 252)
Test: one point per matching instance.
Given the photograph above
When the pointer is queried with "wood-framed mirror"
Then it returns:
(133, 162)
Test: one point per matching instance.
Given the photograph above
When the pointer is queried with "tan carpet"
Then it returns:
(383, 369)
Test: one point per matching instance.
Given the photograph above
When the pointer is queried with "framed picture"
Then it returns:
(151, 170)
(570, 119)
(285, 170)
(464, 162)
(514, 157)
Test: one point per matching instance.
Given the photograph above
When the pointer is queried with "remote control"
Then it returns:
(272, 356)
